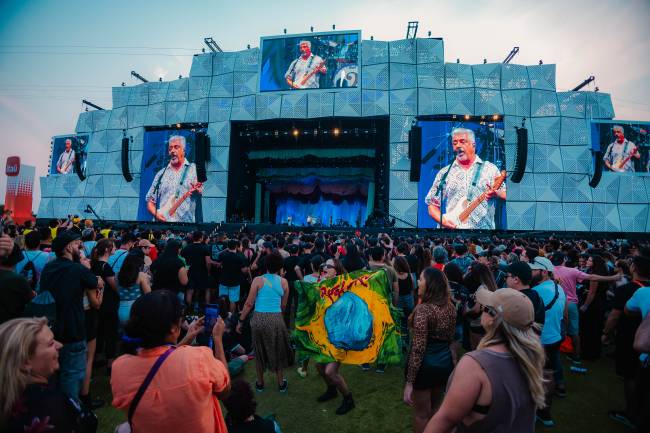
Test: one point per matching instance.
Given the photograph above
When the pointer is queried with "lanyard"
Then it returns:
(477, 175)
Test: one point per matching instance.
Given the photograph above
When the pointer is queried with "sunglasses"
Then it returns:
(489, 310)
(327, 266)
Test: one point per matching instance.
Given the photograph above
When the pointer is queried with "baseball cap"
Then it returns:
(520, 270)
(63, 239)
(515, 307)
(542, 264)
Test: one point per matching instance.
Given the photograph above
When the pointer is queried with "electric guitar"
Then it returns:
(459, 214)
(169, 208)
(307, 77)
(621, 163)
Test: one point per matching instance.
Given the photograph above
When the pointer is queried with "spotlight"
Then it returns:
(178, 125)
(467, 117)
(495, 117)
(453, 116)
(336, 132)
(295, 132)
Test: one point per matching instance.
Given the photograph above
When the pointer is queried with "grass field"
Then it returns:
(379, 407)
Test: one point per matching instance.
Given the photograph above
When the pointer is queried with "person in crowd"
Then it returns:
(462, 257)
(132, 282)
(266, 301)
(29, 356)
(34, 260)
(291, 276)
(353, 261)
(315, 265)
(406, 299)
(197, 255)
(169, 271)
(117, 258)
(499, 386)
(460, 297)
(184, 393)
(430, 362)
(593, 310)
(233, 267)
(68, 280)
(147, 249)
(242, 416)
(519, 277)
(15, 290)
(478, 276)
(88, 241)
(569, 277)
(554, 301)
(621, 328)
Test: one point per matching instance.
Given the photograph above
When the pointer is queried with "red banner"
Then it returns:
(20, 187)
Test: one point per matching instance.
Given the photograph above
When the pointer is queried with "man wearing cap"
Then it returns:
(146, 248)
(68, 278)
(518, 277)
(554, 301)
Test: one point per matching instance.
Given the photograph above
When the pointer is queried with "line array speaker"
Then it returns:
(201, 153)
(126, 171)
(415, 153)
(522, 155)
(598, 169)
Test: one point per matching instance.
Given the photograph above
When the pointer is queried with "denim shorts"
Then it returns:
(573, 327)
(231, 291)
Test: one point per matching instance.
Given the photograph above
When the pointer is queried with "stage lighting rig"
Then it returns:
(212, 45)
(512, 54)
(139, 77)
(584, 83)
(412, 29)
(90, 104)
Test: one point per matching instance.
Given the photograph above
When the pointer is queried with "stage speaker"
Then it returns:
(200, 156)
(78, 155)
(598, 169)
(522, 155)
(126, 171)
(415, 153)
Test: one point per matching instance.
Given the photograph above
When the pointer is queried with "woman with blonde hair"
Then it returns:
(498, 387)
(29, 356)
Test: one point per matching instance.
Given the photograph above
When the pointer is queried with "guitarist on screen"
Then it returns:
(303, 72)
(619, 154)
(467, 179)
(66, 159)
(171, 196)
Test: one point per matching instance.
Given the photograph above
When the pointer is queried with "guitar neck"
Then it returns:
(180, 201)
(473, 205)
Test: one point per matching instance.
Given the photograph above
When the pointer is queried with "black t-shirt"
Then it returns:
(111, 299)
(538, 305)
(46, 407)
(67, 281)
(304, 261)
(627, 325)
(231, 266)
(165, 274)
(15, 293)
(413, 262)
(195, 255)
(290, 264)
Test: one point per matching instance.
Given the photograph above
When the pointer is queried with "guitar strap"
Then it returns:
(475, 179)
(180, 184)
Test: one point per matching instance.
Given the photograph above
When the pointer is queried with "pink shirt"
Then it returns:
(181, 397)
(568, 278)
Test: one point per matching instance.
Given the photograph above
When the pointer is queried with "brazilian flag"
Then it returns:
(349, 318)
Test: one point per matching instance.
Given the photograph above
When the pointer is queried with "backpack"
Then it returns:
(30, 274)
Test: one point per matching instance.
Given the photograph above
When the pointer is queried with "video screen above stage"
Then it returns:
(624, 145)
(311, 61)
(69, 154)
(462, 175)
(169, 188)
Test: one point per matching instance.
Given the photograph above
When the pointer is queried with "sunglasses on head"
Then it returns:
(489, 310)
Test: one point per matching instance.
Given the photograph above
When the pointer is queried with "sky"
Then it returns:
(53, 54)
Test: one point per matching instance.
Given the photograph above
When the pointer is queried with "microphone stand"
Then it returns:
(89, 209)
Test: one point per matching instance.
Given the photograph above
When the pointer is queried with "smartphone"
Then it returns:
(211, 315)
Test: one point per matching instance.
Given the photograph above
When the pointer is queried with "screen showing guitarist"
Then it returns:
(464, 193)
(619, 154)
(65, 163)
(303, 72)
(173, 192)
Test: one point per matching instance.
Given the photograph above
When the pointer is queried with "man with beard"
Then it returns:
(69, 279)
(554, 301)
(302, 72)
(66, 159)
(466, 178)
(619, 153)
(171, 195)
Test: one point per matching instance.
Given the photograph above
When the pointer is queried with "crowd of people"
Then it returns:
(484, 323)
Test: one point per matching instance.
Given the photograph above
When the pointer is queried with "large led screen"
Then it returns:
(66, 149)
(462, 175)
(312, 61)
(624, 146)
(169, 189)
